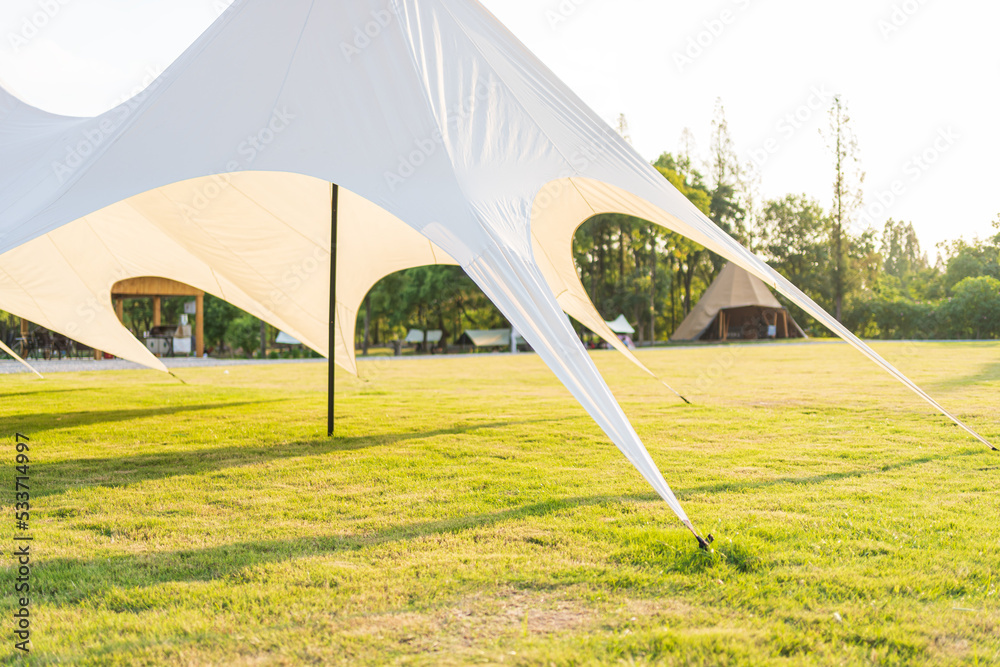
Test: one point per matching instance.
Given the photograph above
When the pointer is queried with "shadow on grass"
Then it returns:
(48, 421)
(71, 580)
(719, 487)
(122, 471)
(988, 373)
(47, 392)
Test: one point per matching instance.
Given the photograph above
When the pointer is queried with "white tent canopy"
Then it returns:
(491, 337)
(621, 326)
(373, 244)
(416, 336)
(443, 120)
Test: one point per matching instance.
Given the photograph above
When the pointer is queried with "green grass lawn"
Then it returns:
(469, 511)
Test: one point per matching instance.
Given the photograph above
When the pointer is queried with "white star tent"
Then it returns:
(428, 110)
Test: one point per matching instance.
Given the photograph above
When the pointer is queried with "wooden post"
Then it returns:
(335, 191)
(199, 326)
(725, 327)
(784, 322)
(24, 329)
(120, 310)
(156, 311)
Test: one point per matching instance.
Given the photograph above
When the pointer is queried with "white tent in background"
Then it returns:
(621, 326)
(443, 120)
(416, 336)
(489, 337)
(284, 339)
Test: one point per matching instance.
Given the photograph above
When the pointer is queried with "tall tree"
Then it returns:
(795, 235)
(848, 181)
(901, 255)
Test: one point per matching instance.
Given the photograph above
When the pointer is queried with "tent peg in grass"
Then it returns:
(677, 393)
(704, 543)
(177, 377)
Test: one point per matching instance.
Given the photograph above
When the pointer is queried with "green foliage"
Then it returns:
(428, 297)
(974, 309)
(894, 318)
(795, 240)
(218, 315)
(244, 333)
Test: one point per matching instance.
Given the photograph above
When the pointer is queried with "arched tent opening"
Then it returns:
(156, 289)
(437, 300)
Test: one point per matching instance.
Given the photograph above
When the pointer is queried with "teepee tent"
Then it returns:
(736, 306)
(441, 118)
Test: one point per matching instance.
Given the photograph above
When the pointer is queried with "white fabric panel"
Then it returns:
(258, 240)
(620, 325)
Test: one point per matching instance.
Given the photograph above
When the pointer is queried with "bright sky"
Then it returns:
(920, 78)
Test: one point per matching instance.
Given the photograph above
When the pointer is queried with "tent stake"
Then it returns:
(703, 543)
(333, 307)
(675, 391)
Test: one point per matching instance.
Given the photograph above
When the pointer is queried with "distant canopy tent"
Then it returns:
(496, 338)
(416, 336)
(621, 326)
(444, 121)
(284, 339)
(737, 305)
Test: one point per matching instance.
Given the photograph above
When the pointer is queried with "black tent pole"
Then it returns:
(333, 307)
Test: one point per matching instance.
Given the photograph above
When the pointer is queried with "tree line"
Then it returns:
(878, 282)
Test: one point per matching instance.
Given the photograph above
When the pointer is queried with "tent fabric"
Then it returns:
(732, 288)
(416, 336)
(489, 337)
(621, 326)
(450, 125)
(373, 244)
